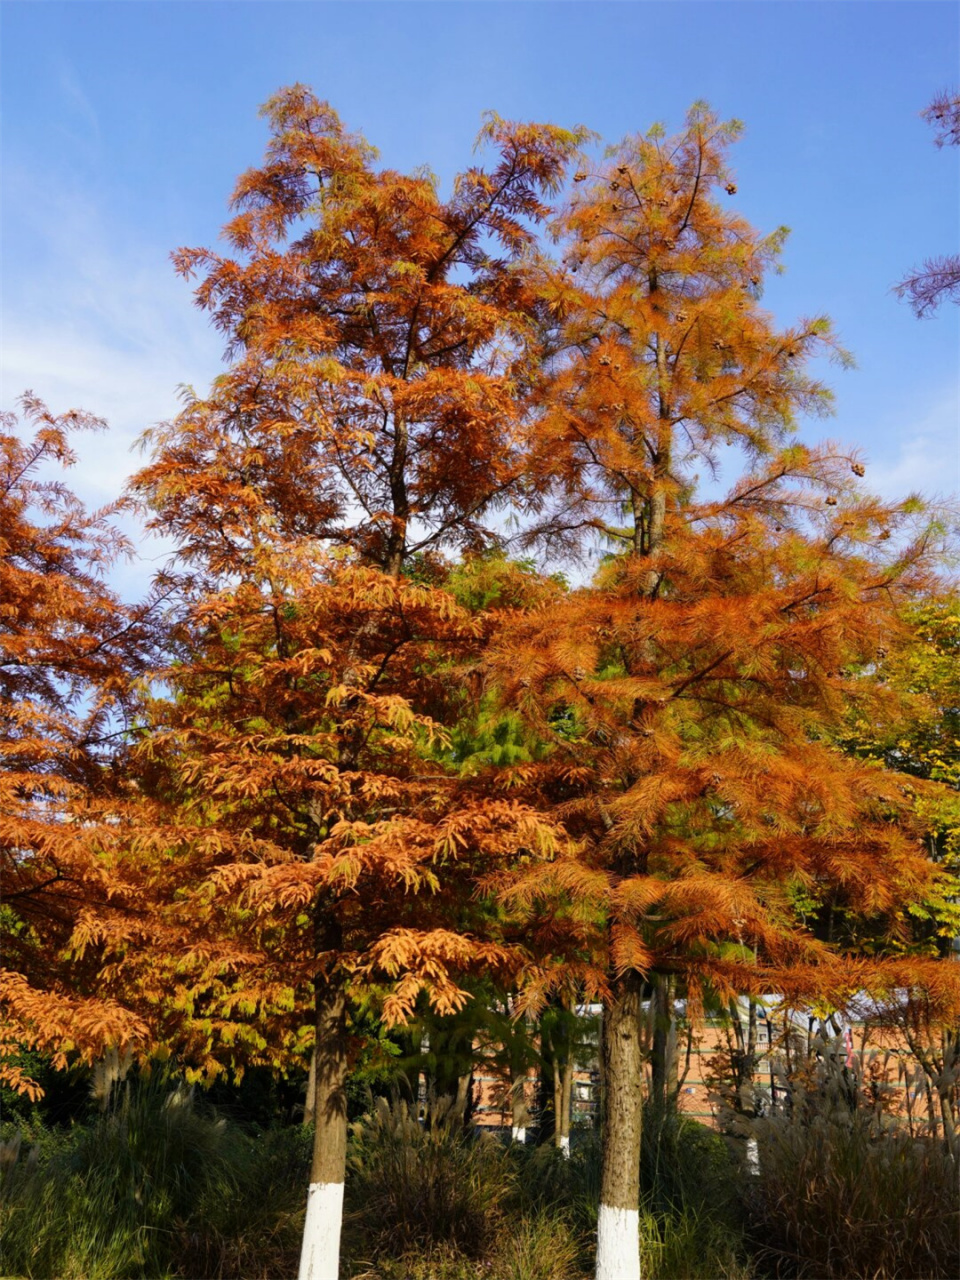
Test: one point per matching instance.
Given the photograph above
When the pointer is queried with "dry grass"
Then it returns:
(837, 1201)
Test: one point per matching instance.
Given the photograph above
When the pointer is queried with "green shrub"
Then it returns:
(690, 1223)
(160, 1188)
(247, 1223)
(686, 1168)
(685, 1245)
(153, 1189)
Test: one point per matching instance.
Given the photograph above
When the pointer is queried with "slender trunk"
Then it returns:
(657, 506)
(410, 1040)
(747, 1092)
(463, 1103)
(311, 1094)
(950, 1137)
(320, 1257)
(424, 1079)
(618, 1222)
(518, 1103)
(946, 1086)
(396, 547)
(903, 1073)
(563, 1075)
(618, 1225)
(546, 1087)
(516, 1047)
(663, 1062)
(687, 1058)
(566, 1098)
(743, 1054)
(934, 1125)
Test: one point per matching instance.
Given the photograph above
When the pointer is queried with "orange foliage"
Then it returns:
(307, 818)
(68, 650)
(690, 693)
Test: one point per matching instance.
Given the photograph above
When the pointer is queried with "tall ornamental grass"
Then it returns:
(152, 1189)
(836, 1201)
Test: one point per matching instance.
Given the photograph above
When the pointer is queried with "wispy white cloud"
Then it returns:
(100, 322)
(926, 459)
(80, 120)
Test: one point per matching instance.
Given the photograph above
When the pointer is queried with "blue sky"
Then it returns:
(126, 124)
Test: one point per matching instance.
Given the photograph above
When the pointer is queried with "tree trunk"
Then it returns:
(563, 1074)
(320, 1257)
(309, 1100)
(424, 1082)
(949, 1125)
(518, 1103)
(463, 1103)
(563, 1105)
(546, 1111)
(618, 1225)
(663, 1057)
(946, 1085)
(558, 1128)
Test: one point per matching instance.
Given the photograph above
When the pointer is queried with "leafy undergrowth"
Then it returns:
(162, 1189)
(154, 1189)
(437, 1203)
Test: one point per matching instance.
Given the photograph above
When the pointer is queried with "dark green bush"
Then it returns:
(161, 1187)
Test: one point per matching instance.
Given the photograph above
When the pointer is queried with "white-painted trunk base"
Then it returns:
(565, 1145)
(753, 1158)
(519, 1133)
(320, 1256)
(618, 1244)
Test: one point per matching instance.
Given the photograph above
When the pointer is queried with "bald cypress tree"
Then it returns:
(370, 418)
(690, 691)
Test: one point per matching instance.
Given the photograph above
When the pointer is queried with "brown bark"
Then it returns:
(520, 1112)
(663, 1057)
(463, 1102)
(743, 1056)
(622, 1074)
(330, 1098)
(949, 1125)
(311, 1094)
(564, 1101)
(558, 1125)
(563, 1077)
